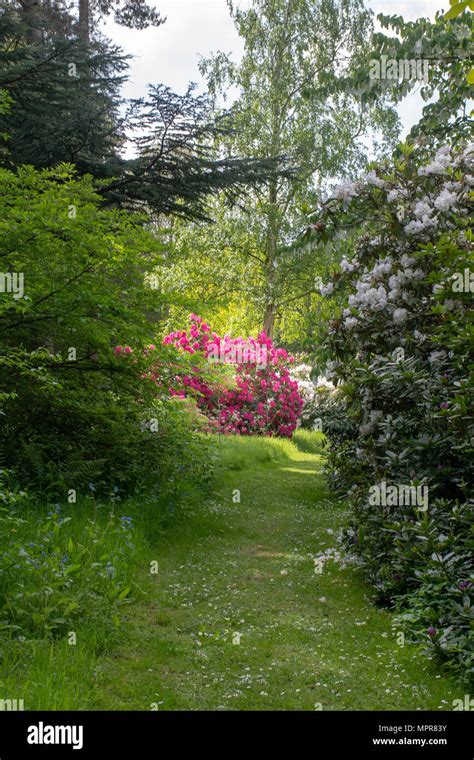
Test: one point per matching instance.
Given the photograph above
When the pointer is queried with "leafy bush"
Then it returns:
(71, 413)
(437, 608)
(399, 344)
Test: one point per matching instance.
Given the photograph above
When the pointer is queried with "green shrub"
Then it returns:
(54, 577)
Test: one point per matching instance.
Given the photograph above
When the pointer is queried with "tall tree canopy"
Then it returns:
(444, 46)
(72, 84)
(290, 45)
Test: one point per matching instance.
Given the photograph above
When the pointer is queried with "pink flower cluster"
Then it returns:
(263, 398)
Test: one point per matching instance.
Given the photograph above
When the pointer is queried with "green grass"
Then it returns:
(307, 640)
(51, 676)
(239, 566)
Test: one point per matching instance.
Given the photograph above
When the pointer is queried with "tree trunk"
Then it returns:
(30, 10)
(84, 11)
(270, 258)
(269, 320)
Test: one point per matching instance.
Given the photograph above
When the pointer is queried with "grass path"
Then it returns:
(246, 572)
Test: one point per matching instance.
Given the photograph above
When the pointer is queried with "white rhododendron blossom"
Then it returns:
(351, 322)
(345, 191)
(394, 195)
(326, 290)
(310, 391)
(324, 382)
(407, 261)
(373, 179)
(347, 266)
(422, 210)
(445, 200)
(306, 388)
(400, 315)
(440, 163)
(383, 266)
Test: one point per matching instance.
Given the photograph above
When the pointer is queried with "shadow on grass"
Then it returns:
(309, 441)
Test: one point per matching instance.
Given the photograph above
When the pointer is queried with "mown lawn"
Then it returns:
(240, 615)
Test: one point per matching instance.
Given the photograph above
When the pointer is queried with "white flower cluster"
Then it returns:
(323, 382)
(351, 322)
(346, 191)
(424, 213)
(326, 290)
(306, 386)
(400, 315)
(403, 277)
(394, 195)
(366, 296)
(445, 200)
(372, 179)
(347, 266)
(440, 163)
(423, 218)
(373, 296)
(383, 266)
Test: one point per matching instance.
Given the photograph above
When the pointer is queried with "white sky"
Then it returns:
(169, 54)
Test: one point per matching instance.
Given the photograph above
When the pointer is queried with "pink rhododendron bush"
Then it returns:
(250, 390)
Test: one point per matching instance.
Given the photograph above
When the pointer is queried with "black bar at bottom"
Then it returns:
(144, 734)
